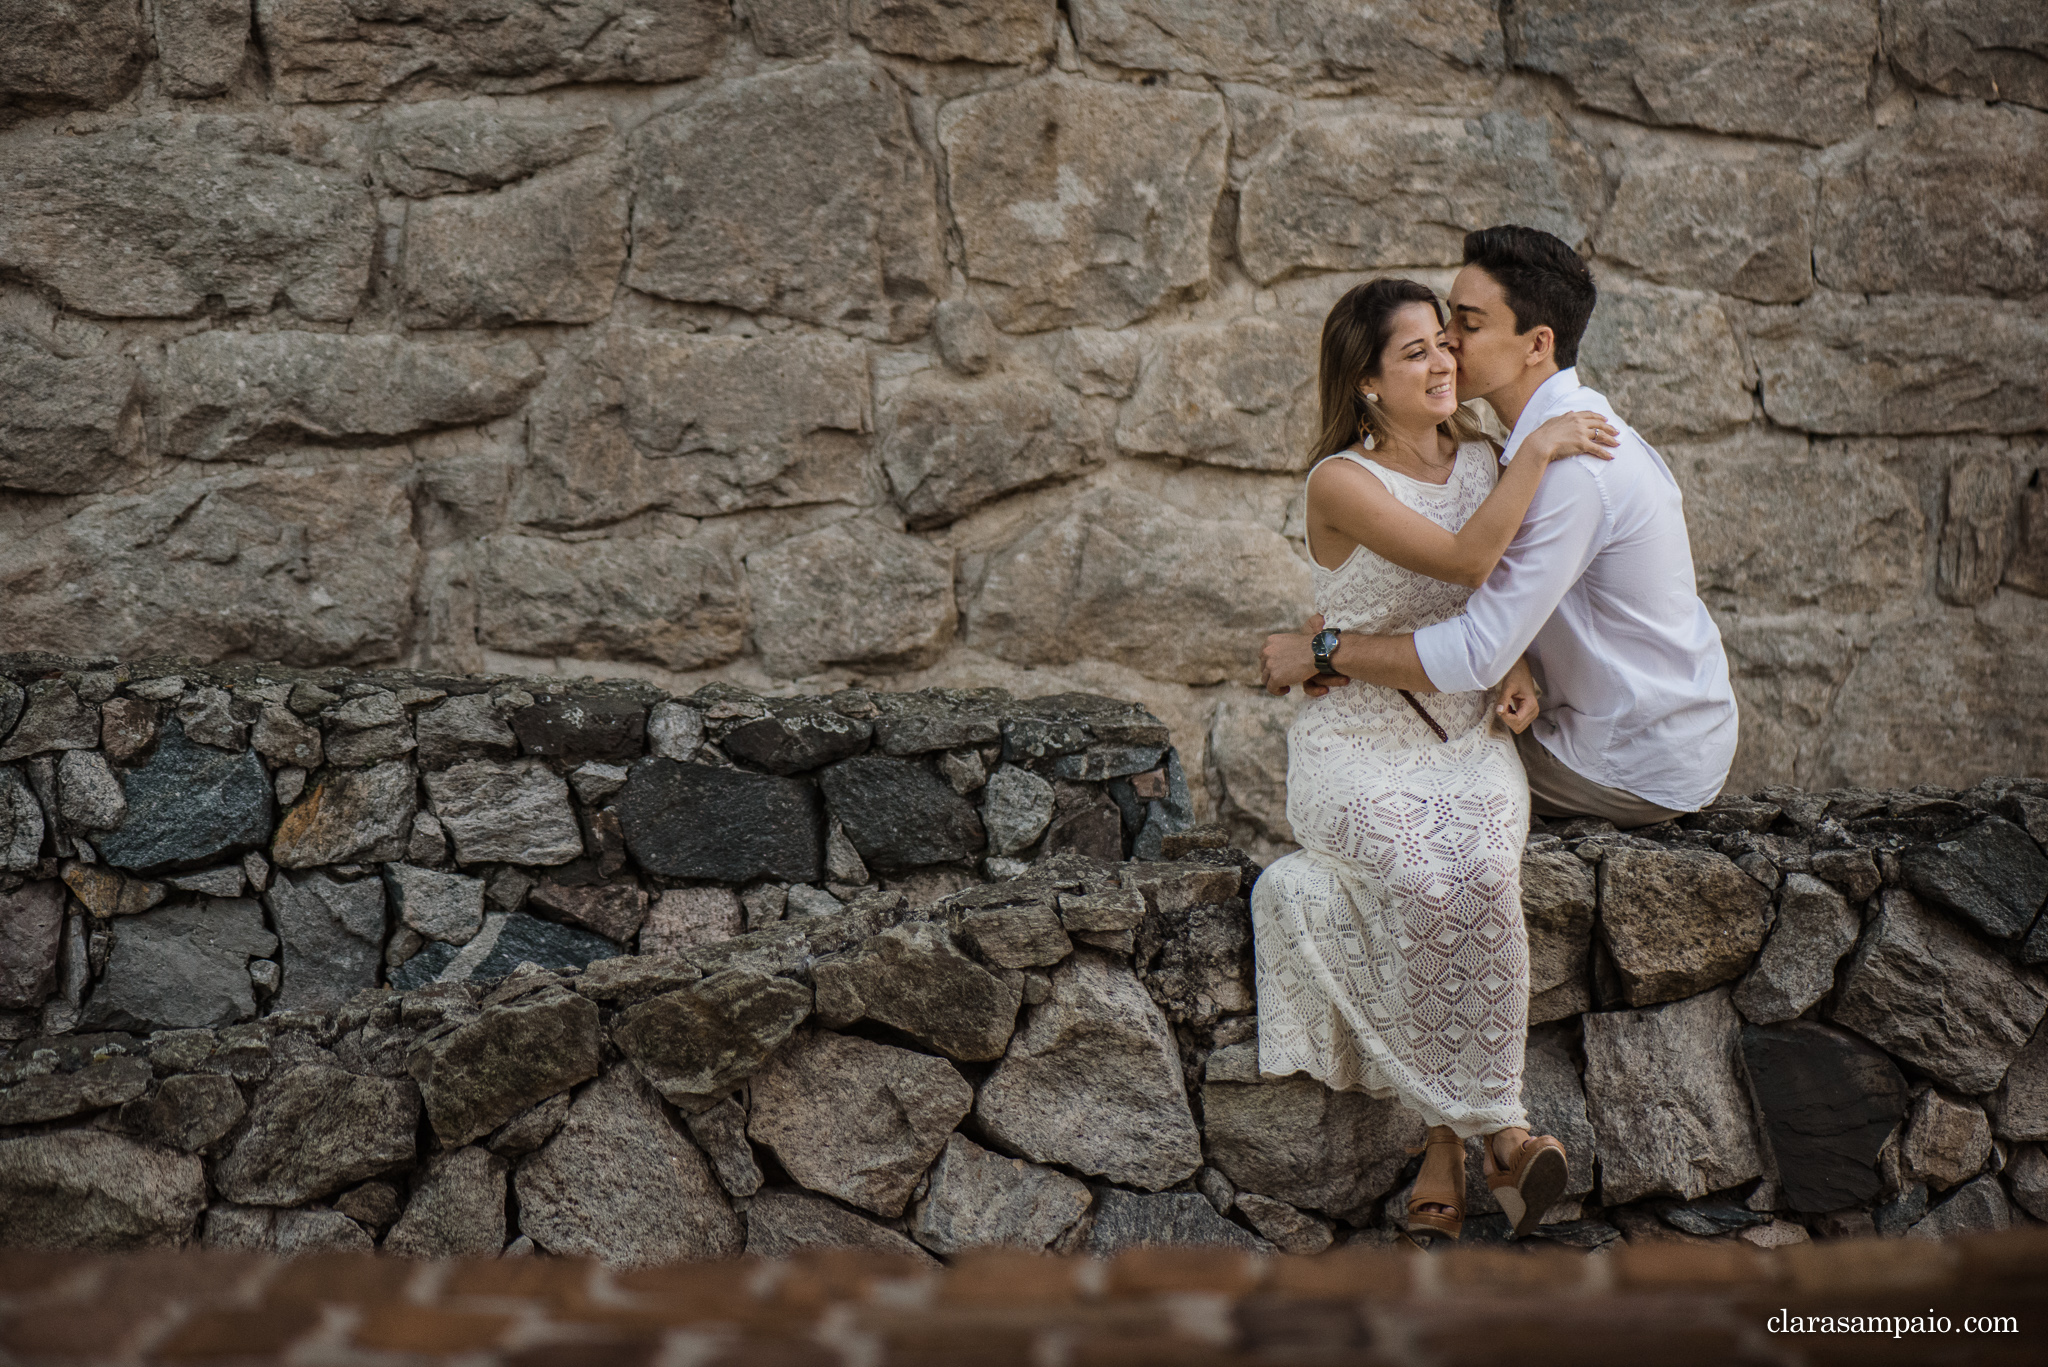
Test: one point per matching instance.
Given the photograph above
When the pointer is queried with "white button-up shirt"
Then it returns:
(1598, 588)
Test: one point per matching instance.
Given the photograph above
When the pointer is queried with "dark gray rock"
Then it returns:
(466, 727)
(1068, 723)
(1978, 1207)
(696, 821)
(31, 929)
(1708, 1218)
(314, 1130)
(1093, 1082)
(181, 967)
(1901, 1212)
(631, 978)
(190, 1112)
(1816, 926)
(89, 796)
(1289, 1230)
(1028, 936)
(21, 822)
(1197, 961)
(1992, 875)
(713, 1034)
(53, 719)
(440, 906)
(333, 934)
(782, 1223)
(127, 730)
(900, 814)
(479, 1074)
(350, 816)
(979, 1199)
(516, 811)
(1854, 871)
(1016, 807)
(614, 910)
(1086, 821)
(797, 737)
(189, 805)
(1125, 1220)
(284, 740)
(938, 719)
(914, 979)
(2027, 1172)
(91, 1192)
(1294, 1139)
(56, 1096)
(2019, 1109)
(530, 1129)
(1678, 921)
(855, 1119)
(721, 1131)
(609, 727)
(1826, 1102)
(507, 940)
(457, 1208)
(207, 716)
(12, 701)
(789, 947)
(618, 1182)
(1931, 994)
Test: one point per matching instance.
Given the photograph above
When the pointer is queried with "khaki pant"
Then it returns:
(1557, 791)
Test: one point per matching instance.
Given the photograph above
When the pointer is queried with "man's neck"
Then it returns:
(1510, 400)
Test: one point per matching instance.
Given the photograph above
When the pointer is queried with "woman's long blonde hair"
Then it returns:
(1358, 329)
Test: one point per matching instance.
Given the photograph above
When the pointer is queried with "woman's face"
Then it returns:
(1417, 377)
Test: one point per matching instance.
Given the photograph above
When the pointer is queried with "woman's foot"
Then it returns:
(1526, 1174)
(1437, 1202)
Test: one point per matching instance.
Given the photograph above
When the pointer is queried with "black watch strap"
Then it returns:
(1323, 645)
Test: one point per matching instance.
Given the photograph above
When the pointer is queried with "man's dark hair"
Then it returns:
(1546, 283)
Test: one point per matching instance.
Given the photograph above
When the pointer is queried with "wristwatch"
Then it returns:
(1323, 645)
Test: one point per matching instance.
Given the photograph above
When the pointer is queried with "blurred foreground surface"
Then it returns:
(1668, 1303)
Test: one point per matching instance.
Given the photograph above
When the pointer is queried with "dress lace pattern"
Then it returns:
(1392, 957)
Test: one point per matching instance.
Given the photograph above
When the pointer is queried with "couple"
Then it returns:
(1452, 579)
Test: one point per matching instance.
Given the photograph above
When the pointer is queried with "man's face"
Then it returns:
(1491, 354)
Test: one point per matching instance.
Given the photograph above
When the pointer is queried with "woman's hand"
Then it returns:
(1516, 706)
(1573, 434)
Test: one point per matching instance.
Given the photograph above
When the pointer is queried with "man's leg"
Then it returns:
(1555, 790)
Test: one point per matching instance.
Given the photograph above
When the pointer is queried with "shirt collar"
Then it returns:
(1542, 404)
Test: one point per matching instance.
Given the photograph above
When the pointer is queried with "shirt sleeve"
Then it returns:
(1565, 527)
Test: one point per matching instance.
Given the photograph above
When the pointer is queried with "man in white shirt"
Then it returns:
(1638, 720)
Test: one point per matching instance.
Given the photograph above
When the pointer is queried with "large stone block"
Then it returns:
(948, 447)
(350, 816)
(1779, 523)
(697, 425)
(181, 967)
(149, 218)
(1739, 223)
(1816, 926)
(1242, 395)
(1668, 360)
(79, 1190)
(1986, 49)
(979, 1199)
(346, 50)
(1093, 1082)
(333, 934)
(319, 564)
(1559, 903)
(1084, 201)
(696, 821)
(1434, 54)
(1296, 1140)
(1991, 876)
(1365, 190)
(1678, 921)
(456, 1211)
(239, 394)
(1062, 590)
(1006, 32)
(1127, 1220)
(515, 1054)
(31, 926)
(1667, 1105)
(517, 811)
(855, 1119)
(1930, 993)
(74, 425)
(801, 588)
(663, 599)
(1849, 365)
(1945, 200)
(912, 978)
(452, 146)
(189, 804)
(317, 1129)
(56, 56)
(711, 1036)
(544, 250)
(900, 813)
(1797, 69)
(1826, 1103)
(801, 193)
(2019, 1109)
(1248, 747)
(201, 44)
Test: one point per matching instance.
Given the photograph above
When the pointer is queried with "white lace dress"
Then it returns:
(1391, 953)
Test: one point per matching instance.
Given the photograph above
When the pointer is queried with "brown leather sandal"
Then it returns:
(1450, 1194)
(1532, 1185)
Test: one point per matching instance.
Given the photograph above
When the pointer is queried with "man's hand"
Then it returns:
(1287, 659)
(1516, 706)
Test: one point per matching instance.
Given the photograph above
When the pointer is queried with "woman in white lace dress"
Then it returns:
(1391, 953)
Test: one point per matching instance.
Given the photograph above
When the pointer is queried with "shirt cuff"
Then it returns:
(1441, 649)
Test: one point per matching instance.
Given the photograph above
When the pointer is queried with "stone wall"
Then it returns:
(809, 343)
(455, 965)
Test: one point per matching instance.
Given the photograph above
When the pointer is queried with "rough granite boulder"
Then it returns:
(457, 1208)
(78, 1189)
(619, 1182)
(706, 1038)
(1678, 921)
(912, 978)
(350, 816)
(1826, 1103)
(979, 1199)
(899, 814)
(2019, 1108)
(191, 1112)
(1093, 1082)
(181, 967)
(696, 821)
(31, 928)
(316, 1129)
(21, 822)
(1992, 876)
(517, 811)
(477, 1076)
(440, 906)
(1126, 1220)
(855, 1119)
(1931, 994)
(87, 54)
(189, 804)
(783, 1223)
(1668, 1108)
(1816, 926)
(948, 447)
(1558, 909)
(799, 588)
(1946, 1140)
(333, 938)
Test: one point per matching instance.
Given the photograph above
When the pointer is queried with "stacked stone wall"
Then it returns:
(808, 343)
(462, 965)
